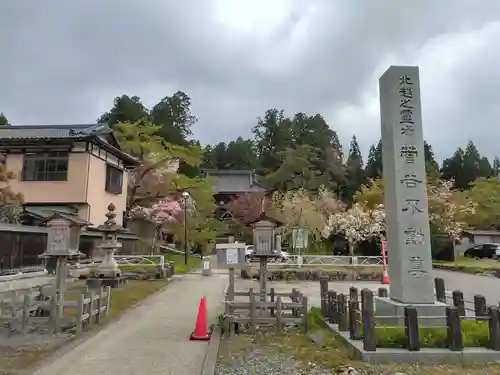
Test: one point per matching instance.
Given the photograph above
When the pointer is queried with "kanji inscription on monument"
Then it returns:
(406, 203)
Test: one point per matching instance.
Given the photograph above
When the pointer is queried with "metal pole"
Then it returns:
(185, 233)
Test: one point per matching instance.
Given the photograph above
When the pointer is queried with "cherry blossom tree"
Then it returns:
(448, 208)
(354, 224)
(161, 213)
(248, 206)
(301, 209)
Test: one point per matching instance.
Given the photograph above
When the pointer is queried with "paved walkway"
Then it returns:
(150, 339)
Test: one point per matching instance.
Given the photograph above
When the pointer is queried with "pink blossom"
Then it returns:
(162, 212)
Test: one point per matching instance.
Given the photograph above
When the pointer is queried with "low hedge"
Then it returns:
(334, 273)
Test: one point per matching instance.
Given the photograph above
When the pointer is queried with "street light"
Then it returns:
(185, 196)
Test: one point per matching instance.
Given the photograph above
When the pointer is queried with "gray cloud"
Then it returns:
(66, 61)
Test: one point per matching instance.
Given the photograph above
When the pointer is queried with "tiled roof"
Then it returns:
(85, 132)
(52, 131)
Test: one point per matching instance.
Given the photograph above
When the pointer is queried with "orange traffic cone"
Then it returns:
(201, 330)
(385, 277)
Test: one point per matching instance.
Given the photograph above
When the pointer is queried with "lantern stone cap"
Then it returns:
(110, 223)
(71, 218)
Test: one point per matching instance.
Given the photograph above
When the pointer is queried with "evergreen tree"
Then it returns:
(354, 169)
(3, 120)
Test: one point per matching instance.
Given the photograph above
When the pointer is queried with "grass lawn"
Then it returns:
(471, 265)
(178, 260)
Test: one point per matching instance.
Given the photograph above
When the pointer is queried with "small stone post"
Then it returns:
(323, 289)
(494, 327)
(342, 312)
(458, 302)
(480, 308)
(368, 314)
(455, 336)
(440, 289)
(411, 329)
(332, 306)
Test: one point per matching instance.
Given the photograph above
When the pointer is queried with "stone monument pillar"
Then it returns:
(405, 190)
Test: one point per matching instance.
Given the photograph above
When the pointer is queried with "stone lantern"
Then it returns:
(63, 241)
(107, 272)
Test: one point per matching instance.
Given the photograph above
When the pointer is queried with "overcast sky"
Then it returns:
(64, 61)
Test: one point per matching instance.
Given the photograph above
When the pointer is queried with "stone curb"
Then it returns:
(88, 334)
(212, 353)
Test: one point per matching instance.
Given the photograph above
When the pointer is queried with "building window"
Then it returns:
(51, 166)
(114, 180)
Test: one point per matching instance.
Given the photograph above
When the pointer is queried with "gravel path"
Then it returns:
(151, 339)
(263, 360)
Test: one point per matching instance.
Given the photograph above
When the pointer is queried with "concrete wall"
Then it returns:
(73, 190)
(85, 187)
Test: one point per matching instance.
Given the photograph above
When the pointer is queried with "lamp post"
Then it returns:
(185, 196)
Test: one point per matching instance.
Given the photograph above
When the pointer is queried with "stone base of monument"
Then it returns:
(433, 314)
(424, 355)
(98, 282)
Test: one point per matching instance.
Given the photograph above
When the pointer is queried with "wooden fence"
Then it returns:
(355, 313)
(259, 313)
(21, 309)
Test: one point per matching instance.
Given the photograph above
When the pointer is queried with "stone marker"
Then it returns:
(406, 203)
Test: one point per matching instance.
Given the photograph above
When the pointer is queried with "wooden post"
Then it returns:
(25, 313)
(305, 310)
(293, 298)
(53, 311)
(342, 312)
(80, 311)
(230, 289)
(272, 295)
(332, 306)
(480, 308)
(454, 337)
(368, 313)
(253, 310)
(323, 289)
(458, 302)
(279, 316)
(382, 292)
(411, 329)
(92, 309)
(99, 305)
(263, 282)
(108, 300)
(440, 289)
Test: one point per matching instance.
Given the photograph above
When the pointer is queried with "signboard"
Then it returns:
(232, 257)
(300, 238)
